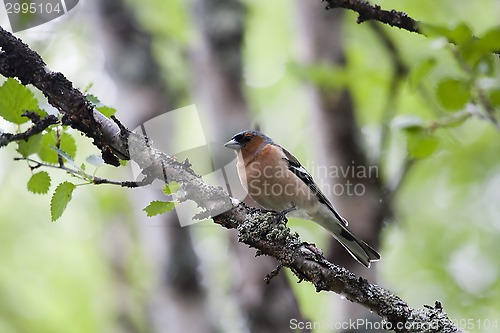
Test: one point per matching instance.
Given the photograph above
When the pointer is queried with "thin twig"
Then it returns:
(39, 125)
(90, 179)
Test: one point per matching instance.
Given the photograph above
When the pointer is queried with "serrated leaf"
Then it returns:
(453, 94)
(421, 145)
(32, 146)
(93, 99)
(49, 155)
(60, 199)
(171, 187)
(95, 160)
(106, 110)
(41, 112)
(421, 71)
(39, 183)
(15, 99)
(159, 207)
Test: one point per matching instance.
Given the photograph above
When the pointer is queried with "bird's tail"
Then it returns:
(361, 251)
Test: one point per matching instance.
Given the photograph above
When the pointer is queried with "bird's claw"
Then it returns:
(281, 216)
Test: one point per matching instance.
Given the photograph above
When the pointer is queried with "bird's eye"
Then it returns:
(242, 138)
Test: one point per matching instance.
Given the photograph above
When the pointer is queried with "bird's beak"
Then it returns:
(233, 144)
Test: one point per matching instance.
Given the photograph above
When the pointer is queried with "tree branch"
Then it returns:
(254, 226)
(392, 17)
(18, 60)
(368, 12)
(39, 125)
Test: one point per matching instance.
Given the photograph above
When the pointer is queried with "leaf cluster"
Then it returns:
(54, 147)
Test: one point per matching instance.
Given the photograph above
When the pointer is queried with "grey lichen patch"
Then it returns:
(266, 227)
(429, 320)
(278, 232)
(255, 226)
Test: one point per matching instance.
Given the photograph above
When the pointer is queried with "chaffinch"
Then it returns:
(276, 180)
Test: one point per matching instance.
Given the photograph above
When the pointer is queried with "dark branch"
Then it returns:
(39, 125)
(394, 18)
(18, 60)
(255, 226)
(368, 12)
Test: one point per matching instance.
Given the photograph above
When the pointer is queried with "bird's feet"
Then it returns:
(281, 216)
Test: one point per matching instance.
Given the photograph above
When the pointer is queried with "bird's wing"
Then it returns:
(295, 167)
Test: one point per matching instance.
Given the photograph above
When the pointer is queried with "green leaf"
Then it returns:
(49, 155)
(494, 97)
(170, 188)
(39, 183)
(453, 94)
(421, 71)
(490, 42)
(421, 145)
(461, 34)
(32, 146)
(41, 112)
(88, 87)
(60, 199)
(477, 52)
(106, 110)
(458, 35)
(15, 99)
(93, 99)
(432, 30)
(159, 207)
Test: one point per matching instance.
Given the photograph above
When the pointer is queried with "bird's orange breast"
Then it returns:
(268, 181)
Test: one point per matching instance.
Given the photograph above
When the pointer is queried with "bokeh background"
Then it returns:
(333, 92)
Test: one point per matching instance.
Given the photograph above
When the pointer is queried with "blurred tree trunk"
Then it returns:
(338, 136)
(217, 64)
(176, 302)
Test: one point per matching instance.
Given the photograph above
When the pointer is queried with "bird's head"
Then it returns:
(248, 140)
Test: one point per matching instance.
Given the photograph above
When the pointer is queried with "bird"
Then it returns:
(277, 181)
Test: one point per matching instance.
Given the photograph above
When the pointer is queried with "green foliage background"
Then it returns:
(442, 244)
